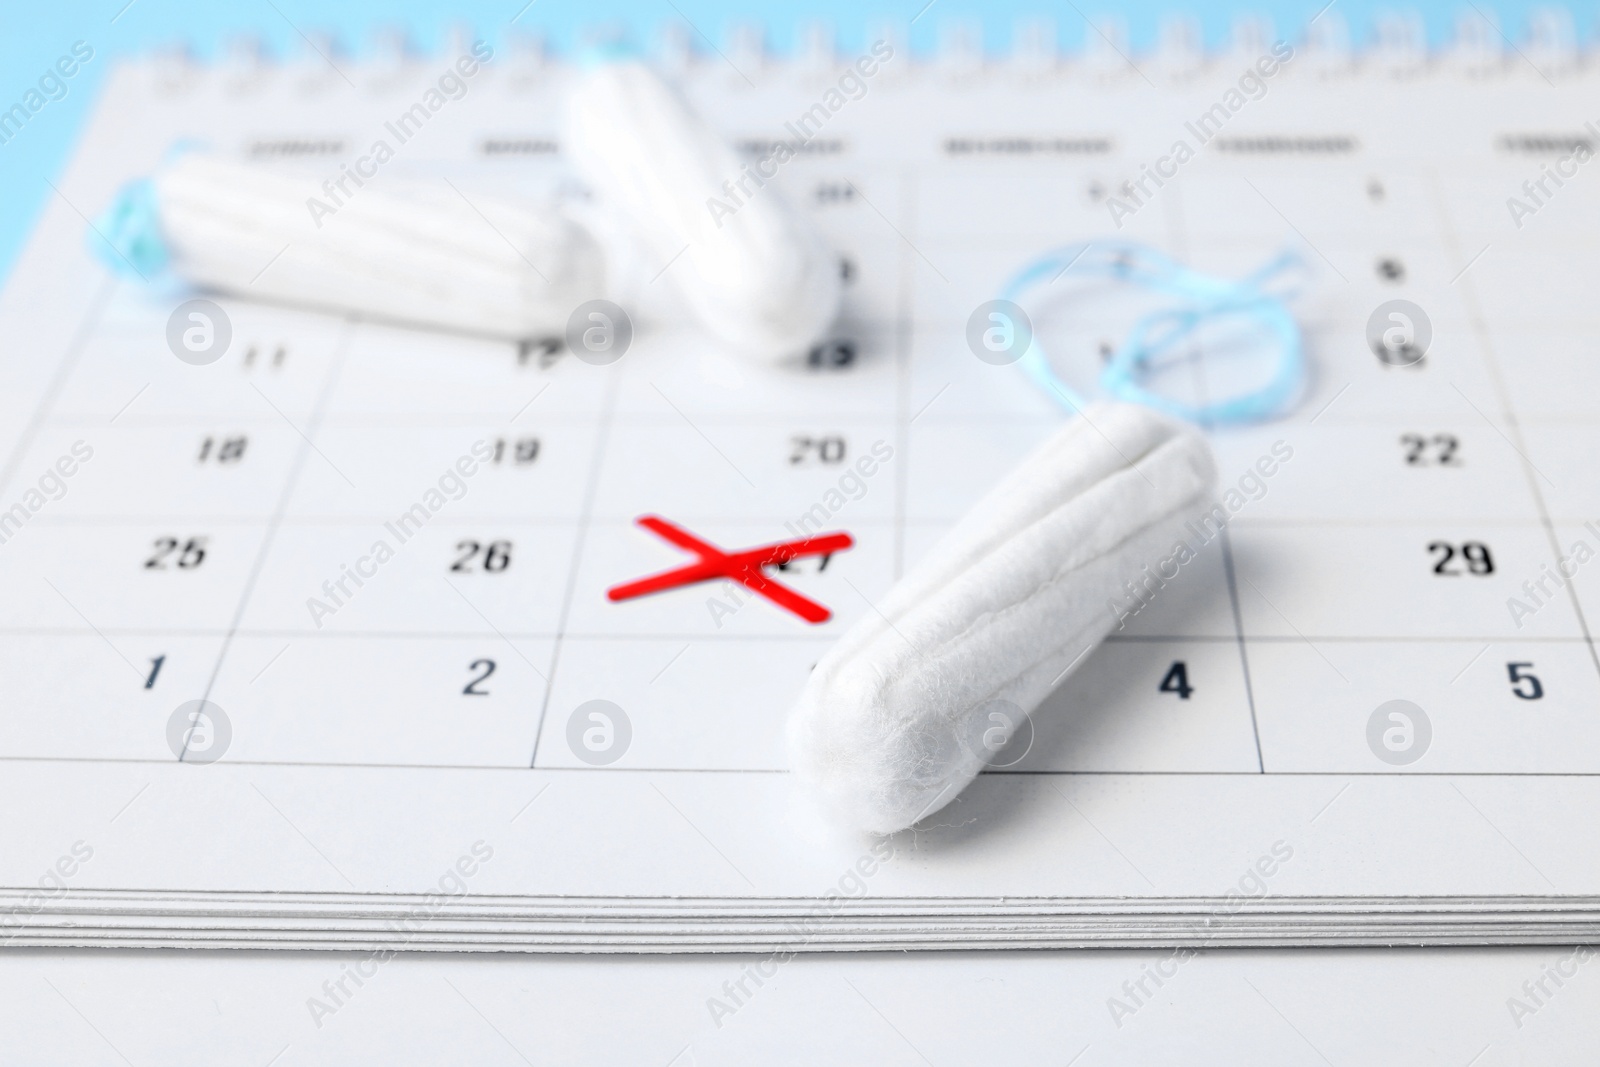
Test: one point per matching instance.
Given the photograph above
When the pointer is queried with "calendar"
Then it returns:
(328, 639)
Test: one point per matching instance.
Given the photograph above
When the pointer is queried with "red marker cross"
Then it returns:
(742, 567)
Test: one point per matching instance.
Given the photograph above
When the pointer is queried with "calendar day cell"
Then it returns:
(1028, 204)
(406, 377)
(949, 382)
(849, 205)
(274, 366)
(1549, 373)
(1516, 289)
(1220, 204)
(1563, 458)
(1379, 268)
(845, 583)
(951, 280)
(182, 575)
(1157, 598)
(1352, 582)
(1142, 706)
(425, 700)
(870, 269)
(530, 468)
(956, 279)
(410, 576)
(1347, 381)
(227, 470)
(1440, 707)
(777, 470)
(98, 696)
(951, 465)
(1574, 571)
(1476, 200)
(684, 375)
(677, 721)
(1420, 470)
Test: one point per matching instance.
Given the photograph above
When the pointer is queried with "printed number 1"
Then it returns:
(155, 669)
(1177, 681)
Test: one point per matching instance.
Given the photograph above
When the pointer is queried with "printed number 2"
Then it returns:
(471, 688)
(1177, 681)
(1524, 683)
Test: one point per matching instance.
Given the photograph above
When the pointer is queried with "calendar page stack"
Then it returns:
(308, 644)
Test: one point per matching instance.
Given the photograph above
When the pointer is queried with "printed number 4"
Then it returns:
(1524, 683)
(1177, 681)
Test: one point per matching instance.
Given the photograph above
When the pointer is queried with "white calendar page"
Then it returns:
(1239, 799)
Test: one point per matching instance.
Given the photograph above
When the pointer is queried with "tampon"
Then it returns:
(405, 250)
(751, 269)
(890, 725)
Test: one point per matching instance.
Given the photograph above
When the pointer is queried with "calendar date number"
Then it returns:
(1469, 557)
(169, 552)
(1437, 450)
(489, 557)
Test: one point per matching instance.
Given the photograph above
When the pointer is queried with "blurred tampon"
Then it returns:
(403, 250)
(757, 274)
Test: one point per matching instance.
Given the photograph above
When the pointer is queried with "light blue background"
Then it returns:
(30, 41)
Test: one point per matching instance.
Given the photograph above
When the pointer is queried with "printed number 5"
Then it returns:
(1524, 683)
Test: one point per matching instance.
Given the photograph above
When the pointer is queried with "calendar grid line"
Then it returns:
(741, 519)
(1486, 345)
(801, 637)
(302, 455)
(580, 542)
(1176, 219)
(905, 330)
(1022, 773)
(97, 420)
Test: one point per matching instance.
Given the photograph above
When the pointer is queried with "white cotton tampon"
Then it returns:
(890, 726)
(752, 269)
(404, 250)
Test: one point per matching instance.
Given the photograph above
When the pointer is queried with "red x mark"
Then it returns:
(743, 567)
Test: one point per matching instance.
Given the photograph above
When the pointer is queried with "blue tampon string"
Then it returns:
(1201, 299)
